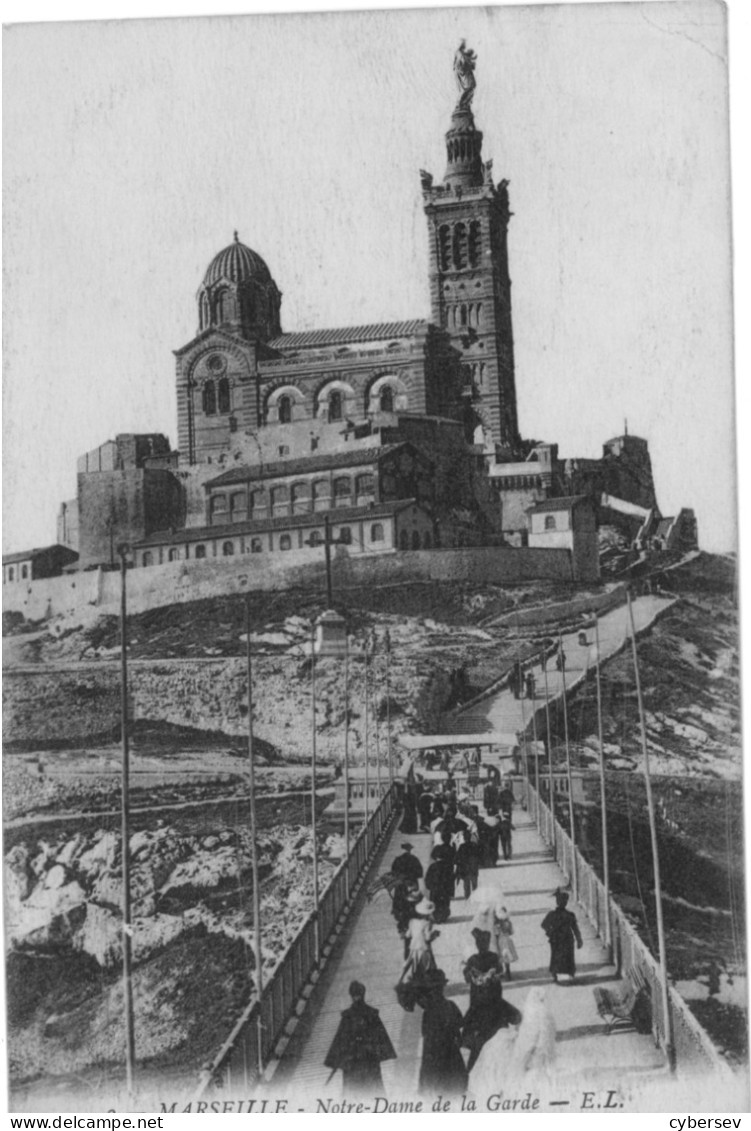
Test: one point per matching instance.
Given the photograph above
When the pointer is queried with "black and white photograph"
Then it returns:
(371, 646)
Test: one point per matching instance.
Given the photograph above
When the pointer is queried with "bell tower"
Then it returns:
(470, 289)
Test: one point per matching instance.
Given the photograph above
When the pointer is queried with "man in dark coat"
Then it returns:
(439, 880)
(504, 832)
(563, 931)
(467, 863)
(442, 1069)
(407, 866)
(360, 1044)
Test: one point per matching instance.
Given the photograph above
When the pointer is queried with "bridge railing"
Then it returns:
(692, 1045)
(255, 1035)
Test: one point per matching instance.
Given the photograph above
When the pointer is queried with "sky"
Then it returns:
(133, 150)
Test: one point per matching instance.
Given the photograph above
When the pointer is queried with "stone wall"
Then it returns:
(194, 580)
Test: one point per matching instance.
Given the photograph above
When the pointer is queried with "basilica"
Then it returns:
(381, 437)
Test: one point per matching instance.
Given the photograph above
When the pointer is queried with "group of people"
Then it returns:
(421, 900)
(521, 680)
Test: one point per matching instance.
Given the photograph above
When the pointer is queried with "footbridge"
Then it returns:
(278, 1045)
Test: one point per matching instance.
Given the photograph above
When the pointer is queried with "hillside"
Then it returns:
(189, 743)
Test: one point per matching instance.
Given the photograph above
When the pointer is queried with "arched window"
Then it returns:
(427, 541)
(24, 572)
(463, 315)
(218, 508)
(200, 551)
(460, 246)
(280, 499)
(11, 573)
(415, 539)
(221, 306)
(345, 535)
(174, 554)
(550, 522)
(474, 243)
(209, 398)
(478, 314)
(316, 538)
(224, 398)
(335, 405)
(321, 495)
(228, 549)
(364, 486)
(285, 542)
(376, 532)
(387, 399)
(444, 245)
(404, 540)
(205, 315)
(342, 490)
(300, 498)
(255, 546)
(284, 409)
(147, 559)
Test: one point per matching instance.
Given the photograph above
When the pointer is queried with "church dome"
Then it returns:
(237, 264)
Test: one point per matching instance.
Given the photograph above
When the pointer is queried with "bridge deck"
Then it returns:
(371, 951)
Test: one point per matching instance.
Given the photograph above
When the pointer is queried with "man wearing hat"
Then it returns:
(407, 867)
(360, 1044)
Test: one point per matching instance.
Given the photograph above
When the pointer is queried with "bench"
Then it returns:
(628, 1007)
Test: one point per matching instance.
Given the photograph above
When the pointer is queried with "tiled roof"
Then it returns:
(377, 331)
(302, 466)
(24, 555)
(566, 503)
(286, 522)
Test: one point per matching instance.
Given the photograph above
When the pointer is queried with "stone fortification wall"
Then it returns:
(193, 580)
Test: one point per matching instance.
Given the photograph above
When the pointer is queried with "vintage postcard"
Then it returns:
(371, 706)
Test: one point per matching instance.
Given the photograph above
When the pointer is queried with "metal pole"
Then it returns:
(603, 803)
(327, 550)
(537, 768)
(669, 1046)
(346, 754)
(375, 718)
(130, 1036)
(313, 788)
(551, 783)
(253, 835)
(387, 642)
(568, 771)
(367, 732)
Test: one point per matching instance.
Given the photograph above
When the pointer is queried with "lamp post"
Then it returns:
(130, 1040)
(328, 542)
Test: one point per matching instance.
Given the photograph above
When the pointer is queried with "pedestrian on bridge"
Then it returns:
(505, 828)
(407, 866)
(439, 880)
(563, 931)
(467, 863)
(442, 1069)
(360, 1045)
(488, 1011)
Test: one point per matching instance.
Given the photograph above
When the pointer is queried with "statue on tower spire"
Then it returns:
(465, 61)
